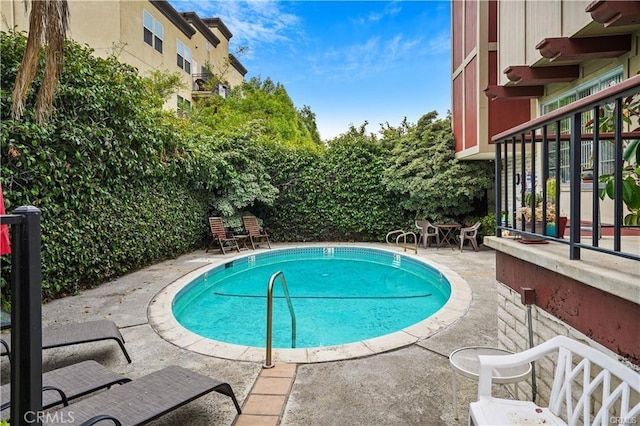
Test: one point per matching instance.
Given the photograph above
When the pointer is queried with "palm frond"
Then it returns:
(48, 24)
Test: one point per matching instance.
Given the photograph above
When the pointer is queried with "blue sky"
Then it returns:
(349, 61)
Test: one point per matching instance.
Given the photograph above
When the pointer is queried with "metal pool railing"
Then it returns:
(402, 234)
(268, 363)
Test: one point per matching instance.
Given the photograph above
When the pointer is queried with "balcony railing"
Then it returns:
(204, 83)
(526, 154)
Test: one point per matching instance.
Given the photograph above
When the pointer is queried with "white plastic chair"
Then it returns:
(470, 233)
(576, 396)
(427, 230)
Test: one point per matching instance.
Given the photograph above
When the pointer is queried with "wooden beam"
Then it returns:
(580, 49)
(524, 75)
(615, 13)
(513, 92)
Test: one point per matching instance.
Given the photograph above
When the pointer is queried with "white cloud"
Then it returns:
(369, 57)
(258, 25)
(440, 43)
(390, 9)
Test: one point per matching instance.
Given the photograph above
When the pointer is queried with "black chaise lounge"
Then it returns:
(67, 383)
(73, 334)
(142, 400)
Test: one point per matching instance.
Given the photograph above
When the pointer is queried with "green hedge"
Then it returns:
(334, 196)
(106, 173)
(122, 184)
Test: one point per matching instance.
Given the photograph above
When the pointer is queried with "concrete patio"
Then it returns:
(407, 386)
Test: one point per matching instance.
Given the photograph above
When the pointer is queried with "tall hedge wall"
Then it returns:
(334, 196)
(105, 172)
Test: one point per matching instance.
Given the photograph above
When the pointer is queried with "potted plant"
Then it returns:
(532, 214)
(551, 212)
(587, 174)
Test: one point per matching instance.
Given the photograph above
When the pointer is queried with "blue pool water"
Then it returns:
(339, 294)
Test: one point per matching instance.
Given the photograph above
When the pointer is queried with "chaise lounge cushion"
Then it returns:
(143, 399)
(72, 334)
(73, 381)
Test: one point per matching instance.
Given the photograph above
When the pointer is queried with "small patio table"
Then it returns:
(447, 231)
(465, 361)
(242, 239)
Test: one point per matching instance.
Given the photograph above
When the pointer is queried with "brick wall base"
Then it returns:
(513, 335)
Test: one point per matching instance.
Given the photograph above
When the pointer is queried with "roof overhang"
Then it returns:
(194, 19)
(172, 15)
(580, 49)
(513, 92)
(615, 13)
(237, 65)
(524, 75)
(217, 23)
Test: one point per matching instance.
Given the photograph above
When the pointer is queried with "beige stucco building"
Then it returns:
(150, 35)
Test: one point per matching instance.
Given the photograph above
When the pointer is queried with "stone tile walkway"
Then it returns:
(266, 400)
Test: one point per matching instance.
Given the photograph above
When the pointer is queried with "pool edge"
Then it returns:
(162, 321)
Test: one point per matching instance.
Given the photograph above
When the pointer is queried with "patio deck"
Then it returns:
(410, 385)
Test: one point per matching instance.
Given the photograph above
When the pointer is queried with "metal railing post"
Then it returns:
(575, 170)
(26, 320)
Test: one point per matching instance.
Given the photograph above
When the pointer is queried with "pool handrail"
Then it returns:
(403, 234)
(268, 362)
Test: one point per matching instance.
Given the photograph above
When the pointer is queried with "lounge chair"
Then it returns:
(73, 334)
(253, 229)
(142, 400)
(219, 236)
(470, 234)
(67, 383)
(427, 231)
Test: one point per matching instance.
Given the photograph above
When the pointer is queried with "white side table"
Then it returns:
(465, 361)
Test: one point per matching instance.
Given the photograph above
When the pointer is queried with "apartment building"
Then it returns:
(150, 35)
(515, 60)
(548, 90)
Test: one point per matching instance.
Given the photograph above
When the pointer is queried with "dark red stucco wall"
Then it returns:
(607, 319)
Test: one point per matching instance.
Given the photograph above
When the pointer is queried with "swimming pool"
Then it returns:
(230, 310)
(339, 295)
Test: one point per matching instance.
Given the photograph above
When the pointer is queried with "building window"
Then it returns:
(184, 57)
(586, 146)
(208, 46)
(153, 31)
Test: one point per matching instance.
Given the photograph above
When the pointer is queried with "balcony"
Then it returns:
(204, 85)
(587, 277)
(595, 222)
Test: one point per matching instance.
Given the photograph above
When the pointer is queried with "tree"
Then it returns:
(262, 106)
(308, 118)
(433, 182)
(48, 25)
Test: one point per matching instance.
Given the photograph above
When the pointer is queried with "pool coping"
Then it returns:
(163, 322)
